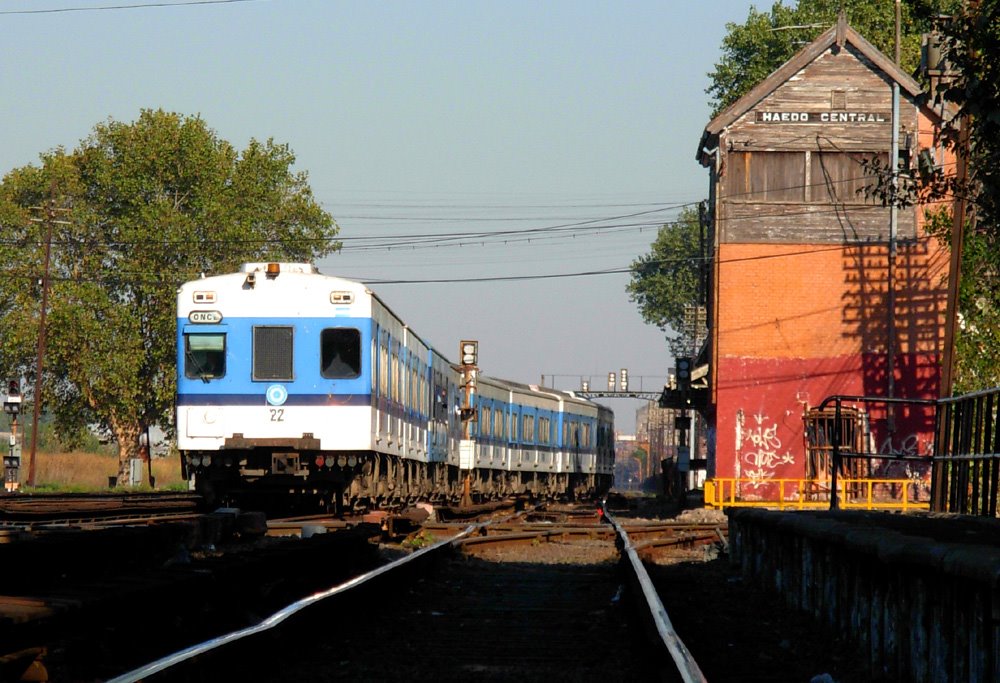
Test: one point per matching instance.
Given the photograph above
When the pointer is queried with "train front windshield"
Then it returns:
(340, 355)
(204, 356)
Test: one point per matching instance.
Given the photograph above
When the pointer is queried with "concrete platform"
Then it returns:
(920, 592)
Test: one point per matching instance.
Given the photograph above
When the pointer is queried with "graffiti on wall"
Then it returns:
(907, 446)
(759, 448)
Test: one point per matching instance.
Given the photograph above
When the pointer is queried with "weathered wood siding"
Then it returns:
(799, 182)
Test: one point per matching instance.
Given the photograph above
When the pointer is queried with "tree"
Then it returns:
(135, 210)
(752, 50)
(971, 42)
(972, 47)
(668, 278)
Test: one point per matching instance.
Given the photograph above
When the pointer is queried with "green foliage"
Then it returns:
(52, 441)
(51, 487)
(422, 539)
(977, 337)
(752, 50)
(667, 278)
(972, 46)
(136, 209)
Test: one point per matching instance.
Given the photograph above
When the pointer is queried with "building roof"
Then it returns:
(837, 35)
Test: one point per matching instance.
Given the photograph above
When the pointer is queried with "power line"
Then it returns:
(601, 226)
(138, 278)
(142, 5)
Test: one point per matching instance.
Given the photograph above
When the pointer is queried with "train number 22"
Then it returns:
(277, 414)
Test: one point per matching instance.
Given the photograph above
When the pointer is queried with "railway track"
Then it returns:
(92, 508)
(439, 613)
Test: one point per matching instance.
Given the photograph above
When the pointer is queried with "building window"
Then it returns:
(766, 176)
(839, 176)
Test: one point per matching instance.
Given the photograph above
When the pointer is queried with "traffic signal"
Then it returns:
(470, 352)
(682, 372)
(12, 403)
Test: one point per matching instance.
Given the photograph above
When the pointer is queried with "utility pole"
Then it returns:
(959, 218)
(890, 352)
(955, 268)
(50, 220)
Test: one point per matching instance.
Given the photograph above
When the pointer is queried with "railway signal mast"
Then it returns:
(469, 354)
(12, 461)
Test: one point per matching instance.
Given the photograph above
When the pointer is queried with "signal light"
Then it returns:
(12, 404)
(470, 352)
(682, 372)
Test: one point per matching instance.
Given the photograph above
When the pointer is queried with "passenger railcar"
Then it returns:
(293, 381)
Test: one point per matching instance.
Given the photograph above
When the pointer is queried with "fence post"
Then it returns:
(834, 502)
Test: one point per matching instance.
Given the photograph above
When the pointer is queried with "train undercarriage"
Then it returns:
(345, 481)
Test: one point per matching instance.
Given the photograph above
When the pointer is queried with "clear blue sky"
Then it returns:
(424, 118)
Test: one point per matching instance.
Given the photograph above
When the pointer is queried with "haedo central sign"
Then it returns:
(821, 117)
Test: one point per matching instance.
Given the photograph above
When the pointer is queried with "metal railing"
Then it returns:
(804, 494)
(873, 452)
(962, 454)
(842, 458)
(966, 475)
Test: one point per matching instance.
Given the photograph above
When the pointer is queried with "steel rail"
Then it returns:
(281, 615)
(686, 665)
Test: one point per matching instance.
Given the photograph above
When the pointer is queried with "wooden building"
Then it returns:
(813, 291)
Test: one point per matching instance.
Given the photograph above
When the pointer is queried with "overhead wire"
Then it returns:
(125, 277)
(582, 228)
(137, 5)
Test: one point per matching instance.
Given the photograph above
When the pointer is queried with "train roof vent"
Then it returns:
(306, 268)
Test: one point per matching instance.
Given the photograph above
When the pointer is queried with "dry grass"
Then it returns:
(90, 471)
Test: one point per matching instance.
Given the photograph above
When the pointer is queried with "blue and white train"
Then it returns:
(293, 381)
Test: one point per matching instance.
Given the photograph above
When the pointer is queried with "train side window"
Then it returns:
(272, 353)
(204, 356)
(528, 429)
(340, 353)
(383, 368)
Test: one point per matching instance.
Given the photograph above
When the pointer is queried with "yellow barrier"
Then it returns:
(809, 494)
